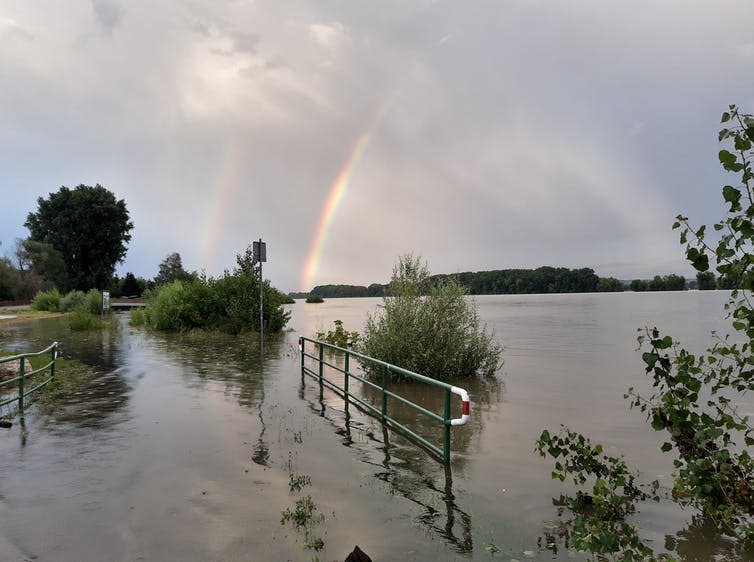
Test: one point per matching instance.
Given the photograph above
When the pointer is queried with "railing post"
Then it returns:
(53, 358)
(301, 344)
(384, 396)
(345, 380)
(321, 359)
(21, 372)
(446, 429)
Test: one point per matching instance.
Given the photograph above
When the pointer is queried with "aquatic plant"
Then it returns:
(430, 329)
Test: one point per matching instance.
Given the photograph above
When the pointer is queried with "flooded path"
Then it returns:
(183, 447)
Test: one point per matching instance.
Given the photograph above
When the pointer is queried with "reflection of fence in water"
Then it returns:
(404, 469)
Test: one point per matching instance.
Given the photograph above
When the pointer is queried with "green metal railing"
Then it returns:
(382, 386)
(23, 377)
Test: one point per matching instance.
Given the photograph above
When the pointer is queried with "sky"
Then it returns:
(478, 135)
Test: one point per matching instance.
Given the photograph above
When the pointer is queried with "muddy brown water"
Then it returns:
(183, 446)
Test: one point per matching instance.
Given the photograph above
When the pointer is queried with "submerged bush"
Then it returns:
(93, 302)
(72, 300)
(47, 300)
(229, 303)
(431, 330)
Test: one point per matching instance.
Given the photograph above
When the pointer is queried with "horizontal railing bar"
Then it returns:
(407, 402)
(434, 448)
(40, 385)
(390, 367)
(25, 355)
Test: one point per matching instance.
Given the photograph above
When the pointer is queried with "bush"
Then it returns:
(72, 300)
(180, 305)
(93, 302)
(314, 299)
(229, 303)
(433, 331)
(339, 336)
(47, 300)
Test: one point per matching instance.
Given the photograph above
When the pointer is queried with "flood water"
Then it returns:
(183, 447)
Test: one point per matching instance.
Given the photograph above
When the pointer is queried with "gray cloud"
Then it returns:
(512, 134)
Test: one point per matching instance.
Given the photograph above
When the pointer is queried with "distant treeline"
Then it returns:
(516, 282)
(536, 281)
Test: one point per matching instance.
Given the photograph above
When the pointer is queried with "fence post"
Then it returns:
(53, 359)
(21, 373)
(384, 396)
(446, 429)
(321, 358)
(345, 380)
(301, 344)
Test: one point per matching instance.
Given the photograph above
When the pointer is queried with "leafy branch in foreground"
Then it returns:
(695, 398)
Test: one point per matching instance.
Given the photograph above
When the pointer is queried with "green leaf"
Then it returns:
(725, 117)
(666, 447)
(727, 159)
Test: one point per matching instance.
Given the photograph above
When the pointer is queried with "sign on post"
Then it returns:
(105, 300)
(260, 251)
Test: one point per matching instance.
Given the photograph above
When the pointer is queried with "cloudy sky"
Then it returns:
(478, 134)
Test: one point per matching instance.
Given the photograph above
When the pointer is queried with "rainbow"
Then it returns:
(335, 196)
(337, 191)
(225, 192)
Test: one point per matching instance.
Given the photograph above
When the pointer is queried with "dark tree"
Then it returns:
(705, 281)
(171, 269)
(89, 227)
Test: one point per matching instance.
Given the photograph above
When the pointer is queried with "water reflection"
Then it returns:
(406, 468)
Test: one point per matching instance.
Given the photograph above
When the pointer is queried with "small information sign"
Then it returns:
(260, 251)
(105, 300)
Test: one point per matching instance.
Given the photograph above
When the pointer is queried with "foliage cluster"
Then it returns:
(694, 398)
(52, 301)
(432, 330)
(304, 516)
(314, 299)
(88, 228)
(339, 336)
(494, 282)
(229, 303)
(670, 282)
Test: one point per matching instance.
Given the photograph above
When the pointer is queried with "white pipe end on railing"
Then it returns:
(465, 406)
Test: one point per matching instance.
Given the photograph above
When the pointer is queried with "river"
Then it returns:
(185, 447)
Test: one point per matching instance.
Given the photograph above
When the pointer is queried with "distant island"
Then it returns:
(543, 280)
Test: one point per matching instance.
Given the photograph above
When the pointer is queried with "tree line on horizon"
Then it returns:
(542, 280)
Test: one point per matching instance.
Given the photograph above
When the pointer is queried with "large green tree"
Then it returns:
(90, 228)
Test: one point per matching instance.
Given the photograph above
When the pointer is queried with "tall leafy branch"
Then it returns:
(694, 399)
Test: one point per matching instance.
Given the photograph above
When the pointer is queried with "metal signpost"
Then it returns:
(260, 254)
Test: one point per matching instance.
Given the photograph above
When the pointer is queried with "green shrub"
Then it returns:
(339, 336)
(138, 317)
(433, 331)
(72, 300)
(81, 320)
(316, 299)
(229, 303)
(47, 300)
(180, 305)
(93, 301)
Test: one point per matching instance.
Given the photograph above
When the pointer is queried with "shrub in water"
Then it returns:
(434, 331)
(72, 300)
(47, 300)
(94, 301)
(80, 320)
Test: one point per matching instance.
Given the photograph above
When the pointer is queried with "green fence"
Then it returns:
(24, 379)
(321, 367)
